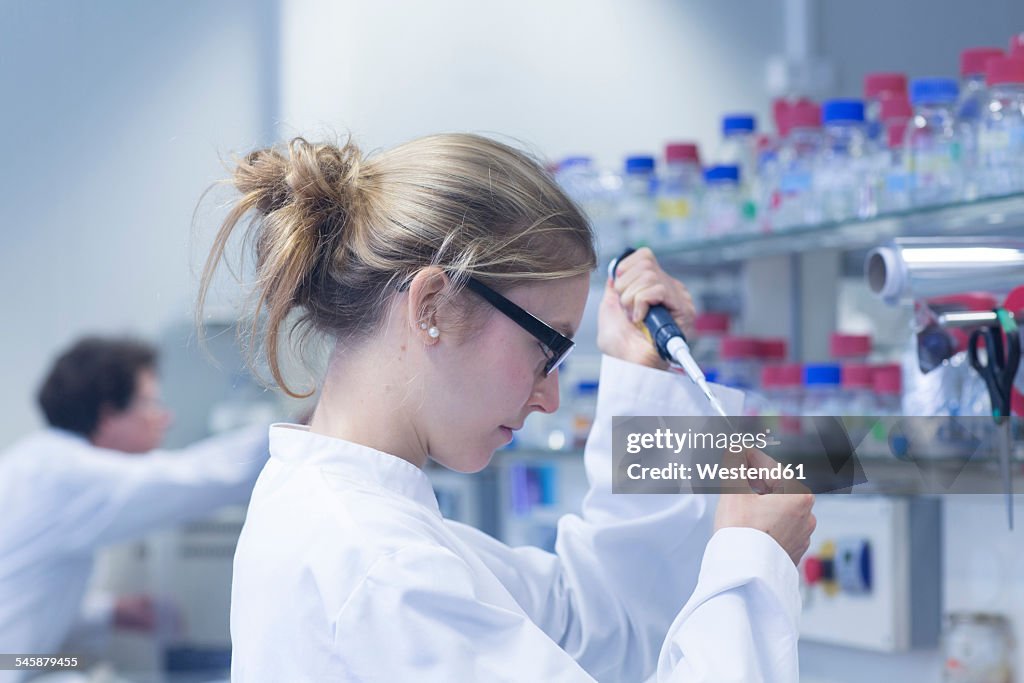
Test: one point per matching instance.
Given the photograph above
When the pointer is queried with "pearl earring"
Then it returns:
(434, 332)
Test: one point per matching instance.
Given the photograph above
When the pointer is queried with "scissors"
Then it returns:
(998, 371)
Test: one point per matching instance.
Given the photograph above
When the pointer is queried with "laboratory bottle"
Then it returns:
(877, 88)
(796, 203)
(858, 389)
(723, 203)
(739, 366)
(590, 188)
(763, 190)
(892, 176)
(970, 106)
(887, 382)
(781, 390)
(637, 208)
(679, 192)
(738, 146)
(932, 143)
(1001, 130)
(842, 171)
(822, 392)
(710, 328)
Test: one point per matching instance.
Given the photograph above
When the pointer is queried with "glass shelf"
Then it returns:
(994, 215)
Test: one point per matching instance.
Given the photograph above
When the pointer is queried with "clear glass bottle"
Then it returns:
(587, 185)
(738, 146)
(822, 393)
(679, 193)
(877, 88)
(891, 174)
(800, 147)
(1001, 131)
(969, 109)
(637, 208)
(858, 389)
(711, 328)
(887, 382)
(740, 366)
(932, 143)
(842, 175)
(722, 206)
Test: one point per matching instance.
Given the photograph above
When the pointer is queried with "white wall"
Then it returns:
(920, 37)
(601, 77)
(114, 118)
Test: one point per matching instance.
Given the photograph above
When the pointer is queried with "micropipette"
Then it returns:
(670, 342)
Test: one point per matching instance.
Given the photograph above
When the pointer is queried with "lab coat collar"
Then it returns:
(296, 444)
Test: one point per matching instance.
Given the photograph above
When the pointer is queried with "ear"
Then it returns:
(105, 414)
(425, 292)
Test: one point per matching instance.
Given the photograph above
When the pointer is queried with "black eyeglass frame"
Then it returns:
(557, 343)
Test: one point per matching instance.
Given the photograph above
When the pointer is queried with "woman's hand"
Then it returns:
(639, 284)
(783, 512)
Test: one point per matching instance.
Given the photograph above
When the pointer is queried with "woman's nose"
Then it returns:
(545, 394)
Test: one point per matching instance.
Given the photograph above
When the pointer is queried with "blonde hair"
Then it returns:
(336, 233)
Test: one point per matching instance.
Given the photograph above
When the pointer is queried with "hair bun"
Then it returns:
(320, 178)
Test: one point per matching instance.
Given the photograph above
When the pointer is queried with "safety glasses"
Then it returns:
(556, 345)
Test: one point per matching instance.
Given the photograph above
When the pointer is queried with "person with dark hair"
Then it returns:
(92, 478)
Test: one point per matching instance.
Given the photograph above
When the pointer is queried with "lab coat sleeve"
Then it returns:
(112, 496)
(741, 624)
(623, 569)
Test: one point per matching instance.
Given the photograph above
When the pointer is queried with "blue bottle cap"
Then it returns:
(738, 123)
(934, 91)
(711, 375)
(822, 375)
(835, 111)
(722, 173)
(575, 161)
(586, 387)
(640, 164)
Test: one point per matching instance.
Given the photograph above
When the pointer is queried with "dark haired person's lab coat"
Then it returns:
(62, 499)
(346, 571)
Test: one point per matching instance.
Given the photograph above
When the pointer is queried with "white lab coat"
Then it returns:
(61, 499)
(346, 571)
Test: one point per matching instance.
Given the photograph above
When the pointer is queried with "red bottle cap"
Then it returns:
(1003, 70)
(882, 82)
(1017, 44)
(896, 134)
(682, 151)
(974, 60)
(738, 348)
(712, 323)
(887, 379)
(896, 106)
(771, 349)
(849, 345)
(857, 376)
(804, 114)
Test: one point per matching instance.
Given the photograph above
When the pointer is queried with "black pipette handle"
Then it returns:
(659, 321)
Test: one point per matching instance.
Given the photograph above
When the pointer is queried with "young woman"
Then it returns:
(452, 273)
